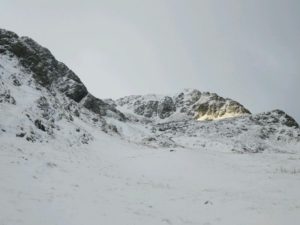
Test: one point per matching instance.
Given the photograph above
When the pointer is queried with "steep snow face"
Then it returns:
(189, 104)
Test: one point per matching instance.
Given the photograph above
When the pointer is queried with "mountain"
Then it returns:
(59, 142)
(41, 93)
(197, 120)
(189, 104)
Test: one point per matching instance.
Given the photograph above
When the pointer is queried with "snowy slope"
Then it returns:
(112, 182)
(67, 157)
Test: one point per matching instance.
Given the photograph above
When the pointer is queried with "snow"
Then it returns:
(114, 182)
(74, 173)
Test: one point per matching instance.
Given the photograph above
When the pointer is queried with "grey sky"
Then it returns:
(248, 50)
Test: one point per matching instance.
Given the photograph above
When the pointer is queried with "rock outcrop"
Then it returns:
(50, 73)
(189, 104)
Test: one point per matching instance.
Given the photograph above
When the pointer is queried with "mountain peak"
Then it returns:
(42, 100)
(189, 104)
(48, 72)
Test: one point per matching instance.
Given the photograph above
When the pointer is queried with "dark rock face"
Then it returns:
(74, 90)
(287, 120)
(94, 104)
(147, 109)
(39, 125)
(47, 71)
(161, 108)
(275, 116)
(50, 73)
(100, 107)
(166, 107)
(187, 98)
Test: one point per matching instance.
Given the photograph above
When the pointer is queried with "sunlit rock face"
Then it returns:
(215, 108)
(208, 106)
(188, 104)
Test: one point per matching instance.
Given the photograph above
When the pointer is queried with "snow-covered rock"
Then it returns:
(67, 157)
(44, 100)
(189, 104)
(49, 73)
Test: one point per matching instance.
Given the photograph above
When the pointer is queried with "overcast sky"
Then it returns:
(248, 50)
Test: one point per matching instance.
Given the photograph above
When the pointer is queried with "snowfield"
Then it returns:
(113, 182)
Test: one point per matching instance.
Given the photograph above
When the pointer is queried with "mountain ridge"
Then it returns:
(50, 73)
(61, 97)
(71, 158)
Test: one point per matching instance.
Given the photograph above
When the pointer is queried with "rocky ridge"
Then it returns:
(188, 104)
(42, 100)
(50, 73)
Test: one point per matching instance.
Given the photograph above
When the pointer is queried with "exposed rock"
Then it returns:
(275, 117)
(21, 134)
(6, 97)
(191, 104)
(166, 107)
(44, 105)
(39, 125)
(72, 89)
(147, 109)
(48, 72)
(101, 108)
(15, 80)
(219, 109)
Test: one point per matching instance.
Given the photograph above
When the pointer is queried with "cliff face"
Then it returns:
(50, 73)
(189, 104)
